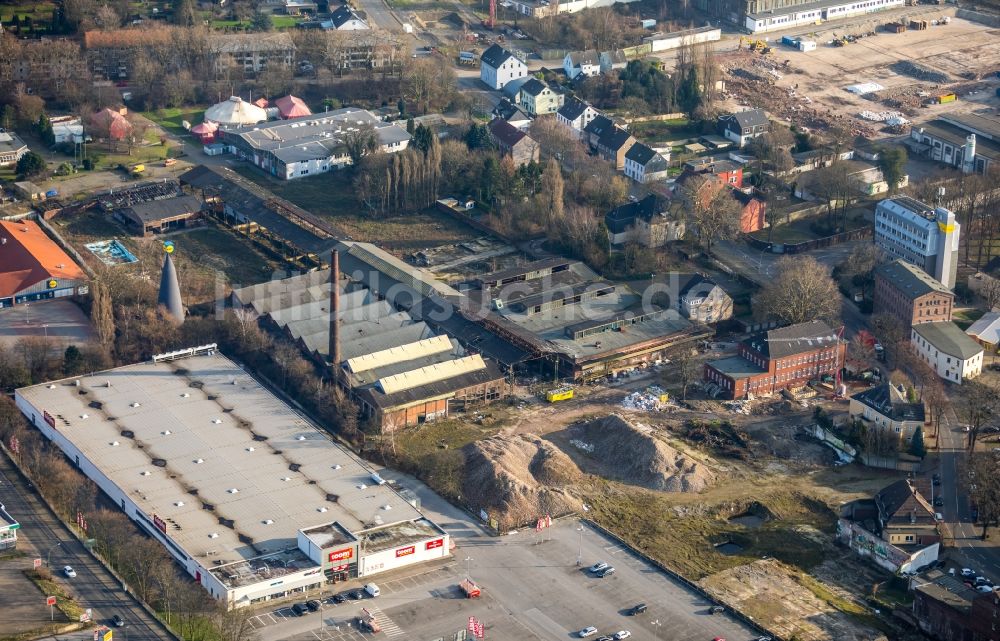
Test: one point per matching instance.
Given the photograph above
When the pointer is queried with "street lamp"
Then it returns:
(579, 554)
(658, 626)
(468, 577)
(49, 553)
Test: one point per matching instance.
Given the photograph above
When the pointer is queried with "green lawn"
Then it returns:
(799, 230)
(40, 14)
(664, 129)
(966, 317)
(172, 119)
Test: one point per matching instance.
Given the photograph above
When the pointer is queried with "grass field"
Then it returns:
(40, 14)
(331, 195)
(223, 251)
(172, 119)
(664, 129)
(800, 232)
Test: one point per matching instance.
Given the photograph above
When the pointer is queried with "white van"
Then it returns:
(372, 590)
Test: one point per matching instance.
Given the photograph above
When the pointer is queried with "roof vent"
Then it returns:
(268, 521)
(144, 472)
(361, 486)
(84, 416)
(213, 535)
(114, 443)
(51, 386)
(178, 503)
(300, 437)
(134, 405)
(337, 466)
(233, 490)
(250, 449)
(216, 421)
(286, 478)
(166, 432)
(321, 509)
(199, 460)
(185, 395)
(386, 507)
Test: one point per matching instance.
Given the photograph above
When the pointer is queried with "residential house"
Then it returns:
(539, 99)
(952, 354)
(726, 170)
(582, 63)
(512, 90)
(510, 112)
(597, 127)
(344, 19)
(645, 222)
(12, 148)
(513, 142)
(576, 115)
(644, 165)
(777, 359)
(986, 331)
(498, 66)
(613, 146)
(613, 60)
(700, 299)
(911, 295)
(886, 407)
(945, 608)
(753, 211)
(744, 126)
(896, 528)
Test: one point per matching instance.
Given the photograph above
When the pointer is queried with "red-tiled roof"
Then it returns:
(29, 256)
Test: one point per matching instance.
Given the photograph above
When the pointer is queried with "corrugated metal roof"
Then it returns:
(407, 352)
(430, 374)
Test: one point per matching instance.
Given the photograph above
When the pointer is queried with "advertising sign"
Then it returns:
(341, 555)
(50, 600)
(160, 524)
(107, 636)
(49, 419)
(36, 563)
(408, 550)
(432, 545)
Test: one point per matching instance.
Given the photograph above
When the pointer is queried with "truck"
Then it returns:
(559, 394)
(367, 622)
(469, 587)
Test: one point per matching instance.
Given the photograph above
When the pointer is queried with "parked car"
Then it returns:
(938, 516)
(587, 632)
(622, 634)
(604, 638)
(597, 567)
(357, 595)
(984, 588)
(938, 501)
(717, 609)
(968, 572)
(608, 571)
(69, 572)
(313, 605)
(117, 621)
(300, 609)
(637, 609)
(372, 590)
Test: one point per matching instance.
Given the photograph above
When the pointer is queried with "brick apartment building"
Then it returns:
(911, 295)
(778, 359)
(949, 610)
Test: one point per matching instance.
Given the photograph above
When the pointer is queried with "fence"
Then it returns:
(889, 463)
(809, 245)
(694, 587)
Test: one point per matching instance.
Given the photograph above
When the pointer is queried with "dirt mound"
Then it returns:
(637, 456)
(518, 478)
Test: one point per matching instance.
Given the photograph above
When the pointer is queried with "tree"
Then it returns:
(833, 186)
(550, 196)
(30, 164)
(361, 142)
(684, 370)
(261, 21)
(892, 162)
(800, 291)
(981, 407)
(401, 107)
(890, 333)
(859, 266)
(917, 443)
(233, 625)
(716, 217)
(73, 361)
(44, 127)
(7, 117)
(986, 494)
(989, 290)
(101, 315)
(184, 13)
(421, 137)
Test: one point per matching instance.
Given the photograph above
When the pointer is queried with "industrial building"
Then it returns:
(33, 267)
(249, 497)
(561, 311)
(399, 370)
(811, 13)
(921, 235)
(308, 145)
(12, 148)
(967, 142)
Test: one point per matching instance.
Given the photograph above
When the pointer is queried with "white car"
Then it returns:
(938, 516)
(984, 588)
(587, 631)
(69, 571)
(372, 590)
(622, 634)
(597, 567)
(968, 572)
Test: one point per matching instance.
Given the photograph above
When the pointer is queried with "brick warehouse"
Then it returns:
(785, 358)
(911, 295)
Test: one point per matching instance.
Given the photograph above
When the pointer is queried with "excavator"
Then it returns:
(756, 45)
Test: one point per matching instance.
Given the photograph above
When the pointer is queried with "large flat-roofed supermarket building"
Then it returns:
(244, 492)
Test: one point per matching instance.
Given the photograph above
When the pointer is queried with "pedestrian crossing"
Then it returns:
(389, 627)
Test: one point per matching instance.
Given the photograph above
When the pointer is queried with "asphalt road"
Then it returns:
(380, 15)
(94, 587)
(983, 556)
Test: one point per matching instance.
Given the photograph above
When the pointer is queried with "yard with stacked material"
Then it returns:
(707, 495)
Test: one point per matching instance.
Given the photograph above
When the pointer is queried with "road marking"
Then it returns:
(388, 626)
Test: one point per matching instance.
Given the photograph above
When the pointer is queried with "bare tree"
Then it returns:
(360, 142)
(801, 290)
(234, 625)
(981, 407)
(712, 208)
(986, 493)
(684, 369)
(990, 291)
(890, 333)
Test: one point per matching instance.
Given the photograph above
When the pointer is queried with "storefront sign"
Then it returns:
(436, 543)
(408, 550)
(341, 555)
(160, 524)
(49, 419)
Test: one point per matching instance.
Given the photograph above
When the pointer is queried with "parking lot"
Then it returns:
(535, 586)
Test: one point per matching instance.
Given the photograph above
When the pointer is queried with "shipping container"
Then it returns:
(559, 394)
(807, 45)
(947, 97)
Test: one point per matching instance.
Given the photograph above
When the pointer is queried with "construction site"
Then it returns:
(871, 77)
